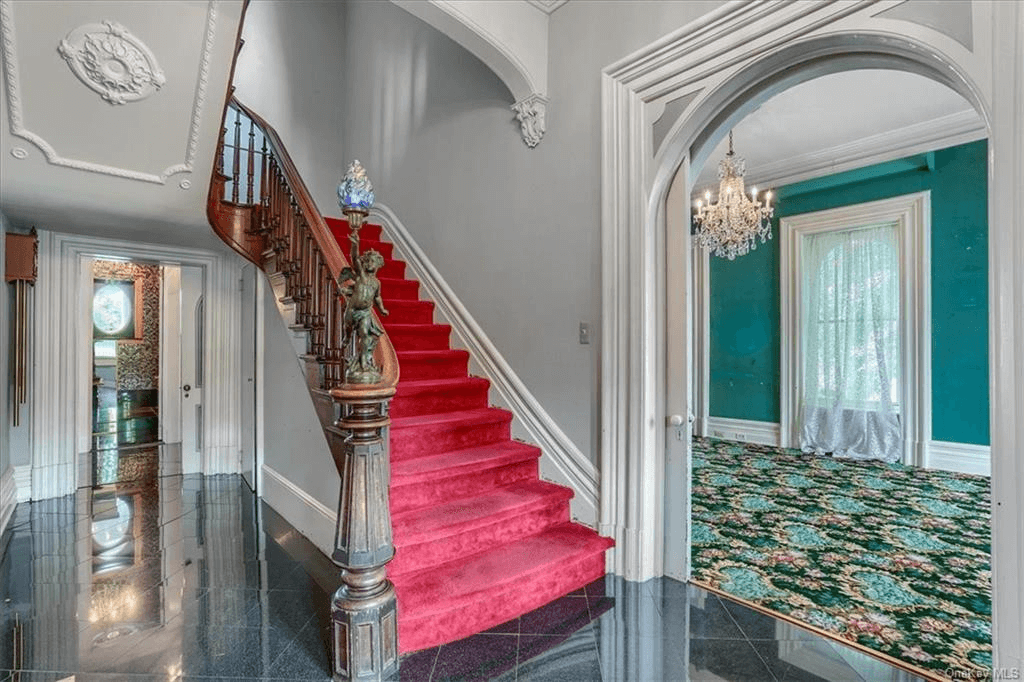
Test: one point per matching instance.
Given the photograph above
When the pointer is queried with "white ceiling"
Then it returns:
(843, 121)
(75, 161)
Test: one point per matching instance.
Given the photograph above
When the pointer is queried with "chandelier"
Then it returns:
(732, 226)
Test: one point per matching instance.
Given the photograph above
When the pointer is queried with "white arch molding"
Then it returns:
(727, 63)
(511, 38)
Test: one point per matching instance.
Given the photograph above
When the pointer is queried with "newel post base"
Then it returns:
(364, 619)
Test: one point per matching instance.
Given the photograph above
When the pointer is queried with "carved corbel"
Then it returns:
(530, 114)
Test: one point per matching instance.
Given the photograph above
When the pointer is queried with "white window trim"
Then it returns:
(912, 215)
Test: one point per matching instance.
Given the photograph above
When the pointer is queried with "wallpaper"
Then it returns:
(138, 362)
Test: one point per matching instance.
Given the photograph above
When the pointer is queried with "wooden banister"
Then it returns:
(286, 222)
(262, 209)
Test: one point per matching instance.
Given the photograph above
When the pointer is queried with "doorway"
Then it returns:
(126, 354)
(750, 58)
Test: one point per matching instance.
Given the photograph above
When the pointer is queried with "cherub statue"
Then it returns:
(360, 297)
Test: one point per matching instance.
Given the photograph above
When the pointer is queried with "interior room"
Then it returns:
(611, 340)
(844, 379)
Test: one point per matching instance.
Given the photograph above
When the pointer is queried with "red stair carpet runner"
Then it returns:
(479, 538)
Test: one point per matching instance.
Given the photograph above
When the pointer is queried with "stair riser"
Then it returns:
(494, 607)
(420, 495)
(427, 338)
(385, 249)
(446, 368)
(410, 312)
(434, 402)
(392, 268)
(399, 290)
(341, 231)
(429, 440)
(506, 528)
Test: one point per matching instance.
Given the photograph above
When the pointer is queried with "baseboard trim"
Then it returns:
(307, 514)
(562, 461)
(23, 482)
(8, 497)
(964, 458)
(744, 430)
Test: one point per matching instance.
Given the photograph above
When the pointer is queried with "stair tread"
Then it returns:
(418, 525)
(408, 326)
(432, 354)
(460, 582)
(482, 415)
(412, 387)
(446, 464)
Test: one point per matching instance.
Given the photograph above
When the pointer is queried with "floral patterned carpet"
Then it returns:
(889, 557)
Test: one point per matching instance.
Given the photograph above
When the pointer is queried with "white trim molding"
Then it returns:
(22, 482)
(731, 60)
(307, 514)
(744, 430)
(961, 457)
(61, 381)
(547, 6)
(701, 271)
(911, 214)
(8, 497)
(510, 38)
(562, 461)
(938, 133)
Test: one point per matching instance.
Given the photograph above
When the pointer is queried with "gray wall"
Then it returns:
(515, 231)
(5, 340)
(291, 72)
(294, 443)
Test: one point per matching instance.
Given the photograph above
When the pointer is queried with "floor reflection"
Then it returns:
(160, 575)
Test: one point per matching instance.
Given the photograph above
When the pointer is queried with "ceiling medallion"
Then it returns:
(112, 62)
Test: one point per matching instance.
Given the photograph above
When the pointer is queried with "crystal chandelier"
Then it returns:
(732, 226)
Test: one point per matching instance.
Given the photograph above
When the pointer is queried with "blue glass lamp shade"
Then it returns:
(355, 190)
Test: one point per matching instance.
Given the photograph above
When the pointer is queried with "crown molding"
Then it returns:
(17, 120)
(548, 7)
(939, 133)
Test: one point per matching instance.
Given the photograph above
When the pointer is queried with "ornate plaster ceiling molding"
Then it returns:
(112, 62)
(547, 6)
(17, 121)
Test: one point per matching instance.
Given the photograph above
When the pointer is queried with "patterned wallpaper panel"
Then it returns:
(138, 362)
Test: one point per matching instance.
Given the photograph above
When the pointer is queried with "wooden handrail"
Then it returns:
(279, 222)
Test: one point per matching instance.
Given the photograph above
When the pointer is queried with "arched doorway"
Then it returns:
(708, 76)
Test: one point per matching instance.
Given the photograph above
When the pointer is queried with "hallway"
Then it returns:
(159, 575)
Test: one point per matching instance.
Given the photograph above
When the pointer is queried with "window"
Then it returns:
(850, 338)
(856, 325)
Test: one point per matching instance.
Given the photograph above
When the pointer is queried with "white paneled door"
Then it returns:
(192, 367)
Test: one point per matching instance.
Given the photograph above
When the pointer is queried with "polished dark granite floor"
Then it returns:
(168, 576)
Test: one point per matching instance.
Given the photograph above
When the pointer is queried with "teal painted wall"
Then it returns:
(744, 296)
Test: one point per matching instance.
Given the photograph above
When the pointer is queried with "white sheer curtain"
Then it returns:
(850, 403)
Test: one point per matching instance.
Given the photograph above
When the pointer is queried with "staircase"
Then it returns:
(479, 538)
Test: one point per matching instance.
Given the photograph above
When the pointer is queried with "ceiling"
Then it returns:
(843, 121)
(111, 112)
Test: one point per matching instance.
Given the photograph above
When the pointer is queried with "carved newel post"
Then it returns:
(363, 611)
